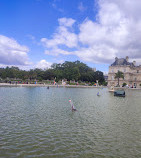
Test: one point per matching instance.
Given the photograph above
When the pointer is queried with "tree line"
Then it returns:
(77, 71)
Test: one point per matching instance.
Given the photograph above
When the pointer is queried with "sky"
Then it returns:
(38, 33)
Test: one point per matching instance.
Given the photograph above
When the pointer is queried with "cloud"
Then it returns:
(54, 5)
(81, 7)
(12, 53)
(57, 51)
(68, 22)
(31, 37)
(115, 32)
(43, 64)
(63, 36)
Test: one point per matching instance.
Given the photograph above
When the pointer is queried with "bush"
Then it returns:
(72, 83)
(90, 84)
(79, 81)
(82, 83)
(124, 84)
(104, 83)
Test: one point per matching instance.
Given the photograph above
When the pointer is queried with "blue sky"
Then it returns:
(37, 33)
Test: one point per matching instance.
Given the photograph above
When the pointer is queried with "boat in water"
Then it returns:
(119, 93)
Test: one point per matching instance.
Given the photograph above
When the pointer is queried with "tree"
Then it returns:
(119, 75)
(39, 73)
(76, 70)
(32, 75)
(70, 71)
(99, 76)
(49, 74)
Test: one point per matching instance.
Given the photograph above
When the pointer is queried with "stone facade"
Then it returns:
(132, 73)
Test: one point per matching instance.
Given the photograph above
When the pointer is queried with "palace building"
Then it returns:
(132, 73)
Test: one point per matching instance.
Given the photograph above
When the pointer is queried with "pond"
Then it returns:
(38, 122)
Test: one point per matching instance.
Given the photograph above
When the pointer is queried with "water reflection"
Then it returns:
(36, 122)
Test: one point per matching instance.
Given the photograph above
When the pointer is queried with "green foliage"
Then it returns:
(82, 83)
(72, 84)
(124, 84)
(119, 75)
(104, 83)
(77, 71)
(79, 81)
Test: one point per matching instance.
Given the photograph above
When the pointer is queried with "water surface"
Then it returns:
(37, 122)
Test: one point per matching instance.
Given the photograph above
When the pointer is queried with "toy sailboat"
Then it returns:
(72, 106)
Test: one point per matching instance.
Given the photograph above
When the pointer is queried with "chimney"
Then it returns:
(127, 58)
(116, 58)
(134, 62)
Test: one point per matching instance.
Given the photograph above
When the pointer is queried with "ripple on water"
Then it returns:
(36, 122)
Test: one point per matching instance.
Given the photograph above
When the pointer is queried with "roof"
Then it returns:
(122, 61)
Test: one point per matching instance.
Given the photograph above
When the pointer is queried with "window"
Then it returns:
(124, 70)
(137, 71)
